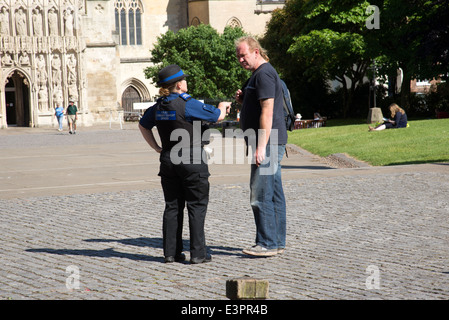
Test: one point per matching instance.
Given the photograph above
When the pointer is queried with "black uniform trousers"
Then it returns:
(184, 184)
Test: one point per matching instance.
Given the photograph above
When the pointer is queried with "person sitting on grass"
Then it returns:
(399, 116)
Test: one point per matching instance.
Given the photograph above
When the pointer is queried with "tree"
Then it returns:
(435, 45)
(331, 40)
(308, 94)
(414, 37)
(327, 39)
(205, 55)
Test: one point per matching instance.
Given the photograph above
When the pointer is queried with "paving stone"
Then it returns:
(339, 223)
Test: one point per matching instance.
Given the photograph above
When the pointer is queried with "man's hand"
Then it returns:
(259, 155)
(239, 96)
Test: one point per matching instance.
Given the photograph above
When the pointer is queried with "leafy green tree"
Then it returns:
(435, 45)
(205, 55)
(317, 40)
(414, 36)
(326, 40)
(308, 94)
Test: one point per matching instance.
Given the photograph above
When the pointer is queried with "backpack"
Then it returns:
(288, 108)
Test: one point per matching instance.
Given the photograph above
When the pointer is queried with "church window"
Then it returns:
(138, 27)
(123, 35)
(132, 28)
(128, 21)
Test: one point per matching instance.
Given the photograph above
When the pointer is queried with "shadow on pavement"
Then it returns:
(139, 242)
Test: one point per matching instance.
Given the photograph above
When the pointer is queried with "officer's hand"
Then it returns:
(224, 107)
(228, 107)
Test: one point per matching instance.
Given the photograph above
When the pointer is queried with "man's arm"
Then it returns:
(149, 138)
(265, 124)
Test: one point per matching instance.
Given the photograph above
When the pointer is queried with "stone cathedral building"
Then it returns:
(94, 51)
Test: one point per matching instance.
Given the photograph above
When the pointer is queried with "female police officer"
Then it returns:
(184, 178)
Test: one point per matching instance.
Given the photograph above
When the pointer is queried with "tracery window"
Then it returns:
(128, 21)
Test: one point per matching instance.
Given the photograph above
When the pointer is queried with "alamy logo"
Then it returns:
(373, 280)
(373, 21)
(73, 280)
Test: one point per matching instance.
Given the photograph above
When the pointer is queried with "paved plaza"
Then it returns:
(81, 218)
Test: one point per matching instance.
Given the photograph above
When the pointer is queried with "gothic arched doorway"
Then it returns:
(17, 100)
(130, 95)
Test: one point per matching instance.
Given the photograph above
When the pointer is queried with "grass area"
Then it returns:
(424, 141)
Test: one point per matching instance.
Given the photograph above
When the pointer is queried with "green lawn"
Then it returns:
(424, 141)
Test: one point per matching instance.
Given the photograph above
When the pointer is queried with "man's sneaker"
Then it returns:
(260, 251)
(281, 250)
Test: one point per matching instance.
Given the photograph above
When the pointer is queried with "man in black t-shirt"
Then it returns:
(262, 113)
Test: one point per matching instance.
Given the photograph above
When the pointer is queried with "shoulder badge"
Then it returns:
(185, 96)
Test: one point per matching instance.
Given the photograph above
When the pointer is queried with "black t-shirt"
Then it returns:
(263, 84)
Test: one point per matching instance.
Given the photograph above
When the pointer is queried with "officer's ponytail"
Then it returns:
(165, 91)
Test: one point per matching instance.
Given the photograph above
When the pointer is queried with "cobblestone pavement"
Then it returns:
(357, 233)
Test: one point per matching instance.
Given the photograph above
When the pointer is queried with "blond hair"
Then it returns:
(394, 108)
(166, 90)
(253, 44)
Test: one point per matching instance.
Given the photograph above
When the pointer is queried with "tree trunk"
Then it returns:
(346, 97)
(405, 88)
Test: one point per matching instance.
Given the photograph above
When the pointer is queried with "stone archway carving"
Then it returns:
(195, 22)
(16, 99)
(139, 86)
(234, 22)
(43, 38)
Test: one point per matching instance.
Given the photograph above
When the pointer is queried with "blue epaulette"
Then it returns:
(185, 96)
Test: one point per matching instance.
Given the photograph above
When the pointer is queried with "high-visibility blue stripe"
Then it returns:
(180, 73)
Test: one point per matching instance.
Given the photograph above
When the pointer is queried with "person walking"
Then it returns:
(72, 116)
(59, 114)
(184, 178)
(262, 111)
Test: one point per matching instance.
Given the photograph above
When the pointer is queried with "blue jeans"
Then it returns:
(268, 201)
(60, 119)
